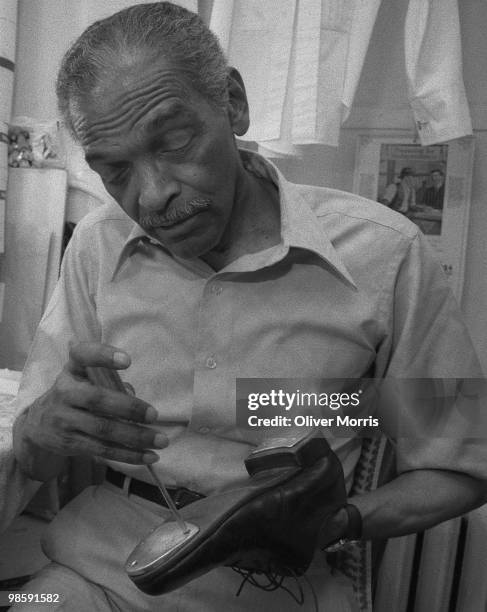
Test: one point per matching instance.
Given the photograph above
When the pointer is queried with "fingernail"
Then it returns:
(150, 457)
(150, 415)
(160, 441)
(120, 360)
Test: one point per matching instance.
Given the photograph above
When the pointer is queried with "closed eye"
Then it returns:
(174, 140)
(116, 177)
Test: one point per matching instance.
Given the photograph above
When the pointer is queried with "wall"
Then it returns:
(46, 28)
(474, 25)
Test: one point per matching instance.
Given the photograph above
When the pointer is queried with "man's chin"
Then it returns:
(186, 240)
(189, 248)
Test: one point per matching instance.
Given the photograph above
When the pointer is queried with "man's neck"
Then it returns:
(254, 224)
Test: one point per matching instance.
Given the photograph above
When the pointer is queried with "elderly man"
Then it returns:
(213, 267)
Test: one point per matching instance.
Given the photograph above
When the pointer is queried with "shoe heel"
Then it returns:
(293, 451)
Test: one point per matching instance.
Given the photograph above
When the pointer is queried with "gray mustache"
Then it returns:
(152, 220)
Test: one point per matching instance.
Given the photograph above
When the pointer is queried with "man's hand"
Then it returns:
(75, 417)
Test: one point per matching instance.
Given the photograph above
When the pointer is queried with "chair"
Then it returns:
(359, 561)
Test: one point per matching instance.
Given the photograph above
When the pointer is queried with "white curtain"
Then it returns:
(301, 61)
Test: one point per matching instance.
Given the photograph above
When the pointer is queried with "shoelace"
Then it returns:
(275, 581)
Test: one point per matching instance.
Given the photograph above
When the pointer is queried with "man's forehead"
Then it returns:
(124, 82)
(168, 116)
(130, 96)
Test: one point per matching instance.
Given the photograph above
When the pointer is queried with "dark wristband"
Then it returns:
(354, 528)
(353, 531)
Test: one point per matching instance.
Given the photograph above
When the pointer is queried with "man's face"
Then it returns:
(437, 179)
(409, 180)
(164, 154)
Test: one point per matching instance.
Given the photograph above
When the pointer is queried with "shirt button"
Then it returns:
(211, 363)
(204, 430)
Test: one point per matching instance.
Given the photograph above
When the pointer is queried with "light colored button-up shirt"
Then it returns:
(351, 290)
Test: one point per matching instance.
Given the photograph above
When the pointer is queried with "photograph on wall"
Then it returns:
(430, 185)
(412, 181)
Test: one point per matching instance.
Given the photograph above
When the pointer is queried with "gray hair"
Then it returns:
(157, 29)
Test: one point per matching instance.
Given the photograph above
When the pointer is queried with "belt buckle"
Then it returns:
(183, 496)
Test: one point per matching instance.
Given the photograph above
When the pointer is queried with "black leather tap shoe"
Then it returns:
(269, 524)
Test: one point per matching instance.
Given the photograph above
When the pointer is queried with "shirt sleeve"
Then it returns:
(433, 399)
(69, 317)
(434, 71)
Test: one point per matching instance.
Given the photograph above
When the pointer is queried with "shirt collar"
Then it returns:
(300, 227)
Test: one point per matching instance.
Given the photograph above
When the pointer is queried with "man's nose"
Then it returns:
(157, 186)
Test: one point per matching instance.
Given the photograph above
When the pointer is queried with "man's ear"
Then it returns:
(238, 108)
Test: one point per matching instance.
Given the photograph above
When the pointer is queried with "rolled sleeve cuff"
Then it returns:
(442, 114)
(464, 456)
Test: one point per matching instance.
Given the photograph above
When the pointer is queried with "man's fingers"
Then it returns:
(116, 433)
(85, 445)
(95, 354)
(106, 402)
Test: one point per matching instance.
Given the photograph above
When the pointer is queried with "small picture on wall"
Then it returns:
(430, 185)
(412, 181)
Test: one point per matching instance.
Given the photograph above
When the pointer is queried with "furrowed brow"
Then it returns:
(162, 118)
(155, 123)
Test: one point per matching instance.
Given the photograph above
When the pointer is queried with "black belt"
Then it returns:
(181, 496)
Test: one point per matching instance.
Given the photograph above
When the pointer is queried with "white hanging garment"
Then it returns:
(434, 71)
(301, 61)
(363, 20)
(257, 37)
